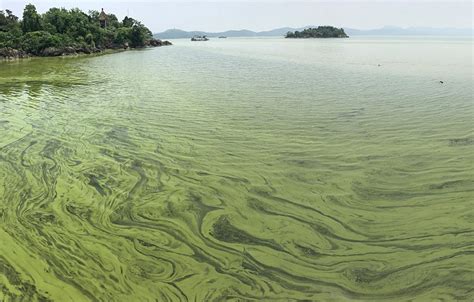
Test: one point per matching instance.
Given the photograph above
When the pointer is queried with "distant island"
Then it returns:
(319, 32)
(67, 32)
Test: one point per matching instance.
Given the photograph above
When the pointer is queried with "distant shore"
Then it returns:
(280, 32)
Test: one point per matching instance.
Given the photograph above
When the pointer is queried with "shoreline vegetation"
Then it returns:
(318, 32)
(61, 32)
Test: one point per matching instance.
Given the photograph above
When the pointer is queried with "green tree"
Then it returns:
(55, 21)
(7, 19)
(35, 42)
(128, 22)
(31, 20)
(123, 35)
(139, 34)
(10, 30)
(112, 21)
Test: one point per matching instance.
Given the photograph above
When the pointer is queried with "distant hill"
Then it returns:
(179, 34)
(384, 31)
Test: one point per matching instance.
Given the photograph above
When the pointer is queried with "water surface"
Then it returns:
(240, 170)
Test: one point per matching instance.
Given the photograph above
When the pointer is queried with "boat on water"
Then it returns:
(222, 37)
(199, 38)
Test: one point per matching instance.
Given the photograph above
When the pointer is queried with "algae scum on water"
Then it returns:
(229, 171)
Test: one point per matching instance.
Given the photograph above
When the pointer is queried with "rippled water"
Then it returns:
(240, 169)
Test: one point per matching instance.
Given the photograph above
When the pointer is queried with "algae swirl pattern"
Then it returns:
(162, 175)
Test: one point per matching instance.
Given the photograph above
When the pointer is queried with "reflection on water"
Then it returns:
(239, 170)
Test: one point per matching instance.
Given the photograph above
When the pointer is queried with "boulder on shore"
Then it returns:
(68, 51)
(157, 43)
(85, 50)
(54, 52)
(9, 53)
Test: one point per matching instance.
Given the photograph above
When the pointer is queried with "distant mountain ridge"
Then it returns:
(384, 31)
(178, 33)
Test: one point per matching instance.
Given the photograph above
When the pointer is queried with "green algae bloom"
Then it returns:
(240, 170)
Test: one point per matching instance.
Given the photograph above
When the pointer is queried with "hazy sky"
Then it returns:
(262, 15)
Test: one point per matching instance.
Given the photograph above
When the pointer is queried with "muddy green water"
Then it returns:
(240, 170)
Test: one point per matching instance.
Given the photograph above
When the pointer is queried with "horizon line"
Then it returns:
(344, 27)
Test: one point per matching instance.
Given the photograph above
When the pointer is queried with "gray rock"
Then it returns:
(9, 53)
(51, 52)
(69, 51)
(55, 52)
(157, 43)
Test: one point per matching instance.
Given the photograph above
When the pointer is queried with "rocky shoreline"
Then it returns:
(9, 53)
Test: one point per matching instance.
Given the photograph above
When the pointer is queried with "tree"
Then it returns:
(10, 30)
(128, 22)
(11, 16)
(54, 21)
(123, 35)
(112, 21)
(8, 20)
(37, 41)
(139, 35)
(31, 20)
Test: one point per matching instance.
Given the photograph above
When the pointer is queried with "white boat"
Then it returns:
(199, 38)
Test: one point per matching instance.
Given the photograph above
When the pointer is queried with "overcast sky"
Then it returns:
(220, 15)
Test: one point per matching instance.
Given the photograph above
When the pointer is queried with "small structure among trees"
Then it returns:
(103, 19)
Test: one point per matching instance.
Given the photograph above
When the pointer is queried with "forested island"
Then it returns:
(67, 32)
(319, 32)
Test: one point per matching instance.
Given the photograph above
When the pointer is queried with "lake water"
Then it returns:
(240, 170)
